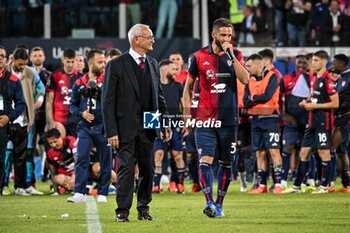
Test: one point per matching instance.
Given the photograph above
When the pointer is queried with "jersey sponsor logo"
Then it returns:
(223, 75)
(218, 88)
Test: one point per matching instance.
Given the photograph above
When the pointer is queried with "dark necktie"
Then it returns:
(142, 63)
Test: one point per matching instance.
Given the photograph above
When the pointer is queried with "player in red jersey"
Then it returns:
(60, 158)
(181, 74)
(59, 88)
(217, 66)
(320, 105)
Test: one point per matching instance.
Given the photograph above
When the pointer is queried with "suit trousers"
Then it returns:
(19, 140)
(137, 151)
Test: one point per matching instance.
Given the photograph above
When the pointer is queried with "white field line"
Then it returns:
(92, 218)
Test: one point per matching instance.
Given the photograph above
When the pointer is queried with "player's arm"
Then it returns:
(241, 73)
(50, 122)
(334, 103)
(247, 101)
(187, 96)
(269, 91)
(181, 102)
(39, 90)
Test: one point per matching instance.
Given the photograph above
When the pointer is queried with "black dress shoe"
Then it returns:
(122, 217)
(144, 215)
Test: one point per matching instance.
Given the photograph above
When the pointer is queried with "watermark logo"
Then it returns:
(151, 120)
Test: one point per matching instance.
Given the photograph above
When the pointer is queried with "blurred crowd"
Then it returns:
(256, 22)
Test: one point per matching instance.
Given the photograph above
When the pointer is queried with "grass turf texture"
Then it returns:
(183, 213)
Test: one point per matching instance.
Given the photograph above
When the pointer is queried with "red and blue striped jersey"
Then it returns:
(217, 80)
(321, 90)
(61, 84)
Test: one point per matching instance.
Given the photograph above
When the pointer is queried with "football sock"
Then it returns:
(206, 176)
(156, 179)
(193, 168)
(285, 165)
(262, 177)
(326, 169)
(224, 179)
(173, 176)
(333, 168)
(180, 175)
(303, 169)
(277, 171)
(241, 161)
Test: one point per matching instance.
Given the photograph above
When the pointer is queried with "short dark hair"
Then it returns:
(309, 55)
(92, 53)
(321, 54)
(221, 22)
(53, 133)
(342, 58)
(266, 53)
(176, 53)
(254, 56)
(21, 46)
(36, 48)
(20, 53)
(113, 52)
(165, 62)
(2, 47)
(300, 56)
(69, 53)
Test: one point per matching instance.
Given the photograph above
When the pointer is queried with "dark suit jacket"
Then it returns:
(327, 26)
(122, 113)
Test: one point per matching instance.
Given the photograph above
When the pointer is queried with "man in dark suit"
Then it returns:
(132, 87)
(332, 26)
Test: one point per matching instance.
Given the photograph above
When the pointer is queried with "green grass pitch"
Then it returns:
(183, 213)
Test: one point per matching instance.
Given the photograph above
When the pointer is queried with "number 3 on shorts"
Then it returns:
(233, 147)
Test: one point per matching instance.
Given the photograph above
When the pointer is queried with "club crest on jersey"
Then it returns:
(64, 90)
(210, 74)
(206, 63)
(343, 83)
(229, 62)
(321, 85)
